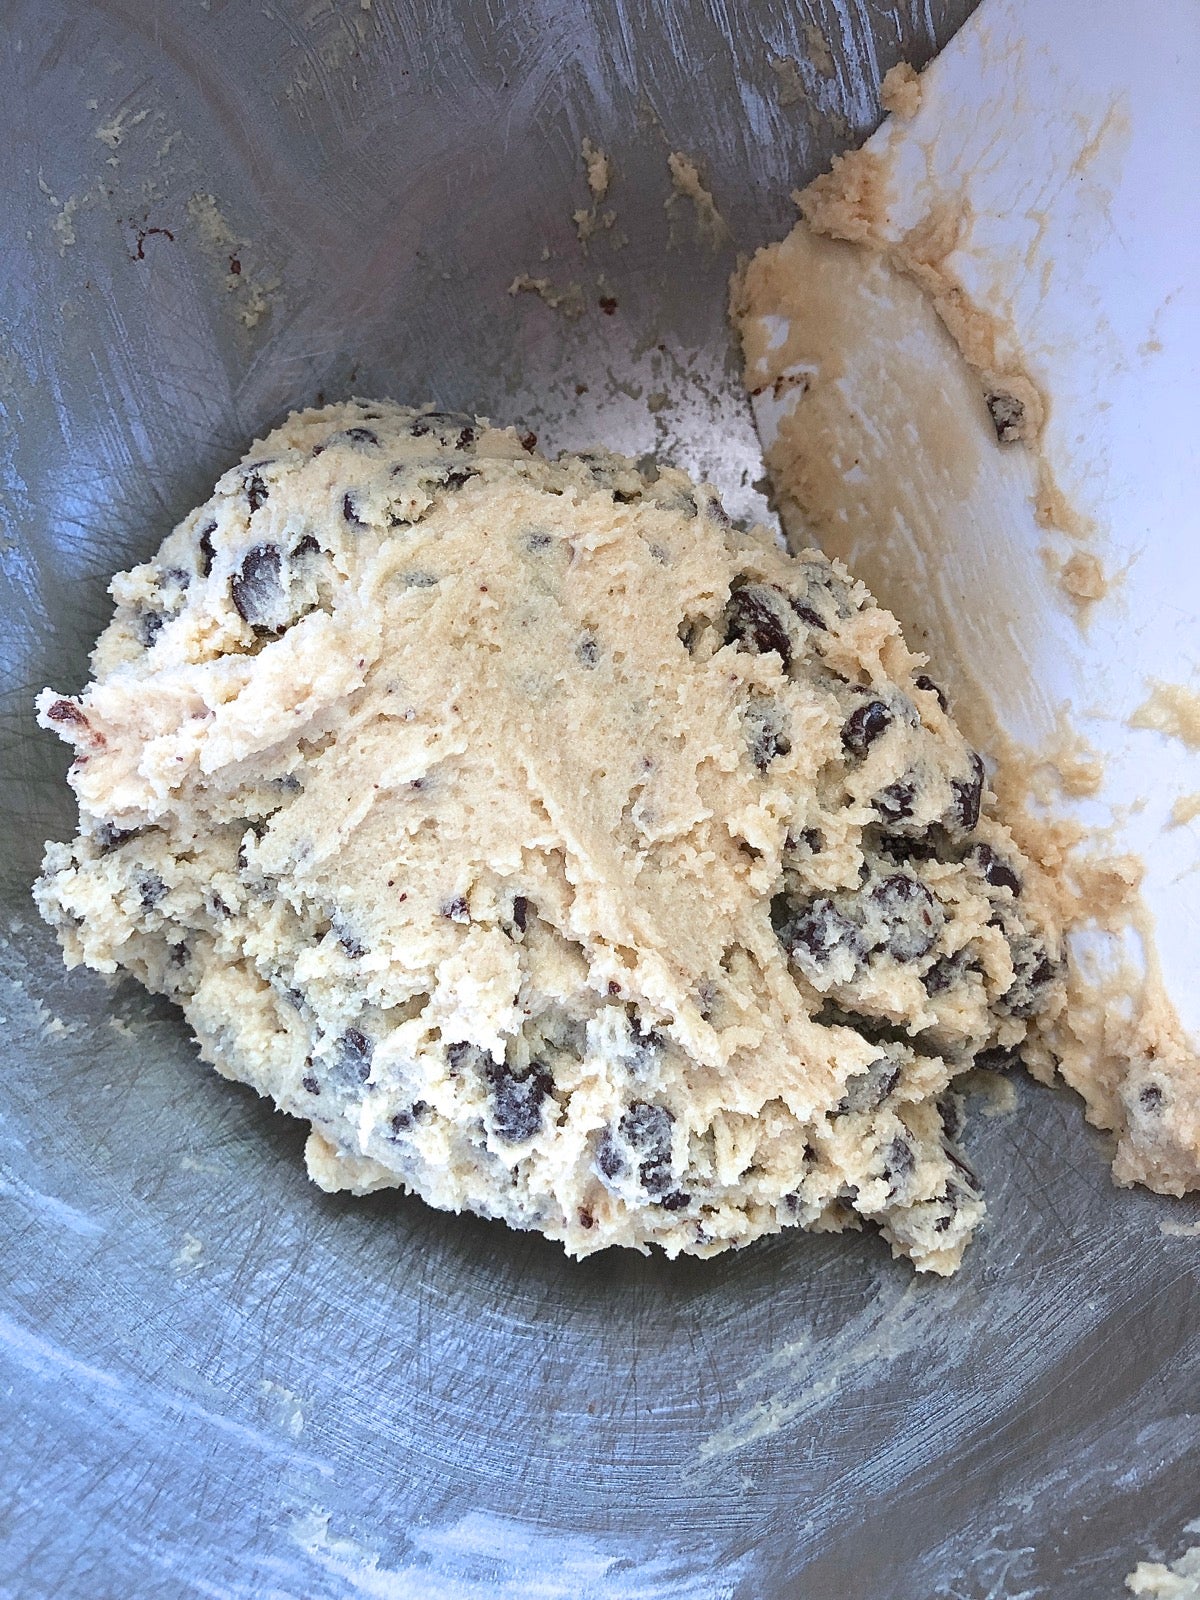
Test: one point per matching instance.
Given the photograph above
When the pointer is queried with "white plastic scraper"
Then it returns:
(1015, 253)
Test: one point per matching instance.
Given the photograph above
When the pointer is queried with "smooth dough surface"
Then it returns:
(557, 849)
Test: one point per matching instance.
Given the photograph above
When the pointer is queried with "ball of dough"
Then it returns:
(557, 849)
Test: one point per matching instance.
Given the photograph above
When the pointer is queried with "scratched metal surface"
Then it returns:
(214, 1380)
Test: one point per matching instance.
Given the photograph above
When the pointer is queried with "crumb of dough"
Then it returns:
(112, 131)
(1073, 766)
(567, 298)
(791, 85)
(818, 50)
(253, 293)
(1170, 1229)
(1186, 809)
(848, 201)
(1155, 1580)
(1082, 576)
(590, 220)
(688, 185)
(599, 170)
(1173, 709)
(552, 846)
(900, 91)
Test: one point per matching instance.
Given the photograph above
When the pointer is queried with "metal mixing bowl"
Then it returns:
(218, 1381)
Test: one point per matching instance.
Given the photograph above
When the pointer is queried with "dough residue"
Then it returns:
(254, 293)
(567, 298)
(687, 184)
(826, 318)
(900, 91)
(597, 167)
(1173, 709)
(818, 49)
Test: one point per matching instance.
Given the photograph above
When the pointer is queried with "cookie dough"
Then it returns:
(557, 849)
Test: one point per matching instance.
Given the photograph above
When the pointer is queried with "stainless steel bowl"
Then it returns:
(216, 1380)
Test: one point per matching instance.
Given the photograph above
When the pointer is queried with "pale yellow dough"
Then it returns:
(555, 848)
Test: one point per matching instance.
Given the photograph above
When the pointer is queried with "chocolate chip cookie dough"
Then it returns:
(557, 849)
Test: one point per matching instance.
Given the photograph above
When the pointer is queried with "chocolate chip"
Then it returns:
(645, 1045)
(1008, 415)
(818, 936)
(1033, 973)
(310, 1083)
(895, 803)
(607, 304)
(445, 424)
(457, 909)
(461, 1055)
(646, 1130)
(149, 626)
(677, 1200)
(538, 541)
(968, 795)
(822, 596)
(809, 841)
(150, 887)
(1151, 1098)
(998, 1058)
(947, 972)
(352, 1058)
(361, 436)
(689, 632)
(179, 955)
(256, 492)
(528, 442)
(516, 1101)
(754, 619)
(403, 1120)
(108, 836)
(765, 721)
(350, 511)
(350, 942)
(609, 1160)
(520, 912)
(994, 868)
(587, 651)
(454, 478)
(864, 725)
(923, 681)
(899, 1163)
(306, 545)
(867, 1090)
(807, 615)
(910, 916)
(205, 544)
(256, 588)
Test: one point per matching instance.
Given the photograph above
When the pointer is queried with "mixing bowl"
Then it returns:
(218, 1381)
